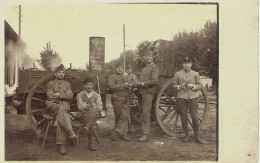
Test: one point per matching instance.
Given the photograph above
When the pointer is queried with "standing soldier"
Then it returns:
(90, 106)
(120, 101)
(130, 76)
(58, 94)
(147, 89)
(187, 82)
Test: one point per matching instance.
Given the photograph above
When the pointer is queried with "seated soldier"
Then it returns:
(58, 94)
(90, 106)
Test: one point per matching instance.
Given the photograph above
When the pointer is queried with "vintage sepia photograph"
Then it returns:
(111, 82)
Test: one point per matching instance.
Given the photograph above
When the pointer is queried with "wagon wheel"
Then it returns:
(168, 117)
(135, 112)
(35, 105)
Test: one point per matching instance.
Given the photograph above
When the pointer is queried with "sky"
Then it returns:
(69, 26)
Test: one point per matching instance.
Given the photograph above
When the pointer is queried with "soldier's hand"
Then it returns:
(137, 83)
(135, 102)
(190, 85)
(90, 106)
(126, 85)
(183, 86)
(70, 116)
(103, 113)
(56, 94)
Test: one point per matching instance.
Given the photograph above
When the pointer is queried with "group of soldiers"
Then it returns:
(89, 103)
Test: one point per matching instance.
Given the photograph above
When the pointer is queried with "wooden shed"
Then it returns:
(15, 55)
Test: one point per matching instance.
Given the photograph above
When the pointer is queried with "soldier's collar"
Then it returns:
(88, 94)
(149, 64)
(59, 81)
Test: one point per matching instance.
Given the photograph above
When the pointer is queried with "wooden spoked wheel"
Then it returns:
(168, 117)
(135, 112)
(35, 105)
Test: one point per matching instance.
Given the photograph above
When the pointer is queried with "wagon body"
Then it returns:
(28, 78)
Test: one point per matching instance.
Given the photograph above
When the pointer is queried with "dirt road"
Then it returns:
(22, 145)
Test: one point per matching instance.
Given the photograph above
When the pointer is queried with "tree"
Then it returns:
(49, 59)
(209, 51)
(130, 59)
(201, 47)
(186, 44)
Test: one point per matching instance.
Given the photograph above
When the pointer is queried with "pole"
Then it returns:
(124, 45)
(20, 20)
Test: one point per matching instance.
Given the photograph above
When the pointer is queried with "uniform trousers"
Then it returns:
(146, 107)
(60, 110)
(121, 112)
(191, 105)
(89, 118)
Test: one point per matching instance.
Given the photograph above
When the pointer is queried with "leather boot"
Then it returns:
(114, 135)
(62, 149)
(125, 137)
(72, 135)
(143, 138)
(91, 144)
(198, 139)
(186, 138)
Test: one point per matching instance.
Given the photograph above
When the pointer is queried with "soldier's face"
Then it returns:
(88, 87)
(148, 58)
(120, 69)
(60, 75)
(129, 71)
(187, 65)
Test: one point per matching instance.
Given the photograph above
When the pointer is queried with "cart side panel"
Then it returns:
(27, 78)
(76, 79)
(165, 58)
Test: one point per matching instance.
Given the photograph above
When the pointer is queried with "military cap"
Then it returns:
(118, 64)
(88, 80)
(128, 67)
(186, 59)
(149, 52)
(59, 68)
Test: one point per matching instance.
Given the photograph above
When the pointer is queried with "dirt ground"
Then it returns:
(22, 145)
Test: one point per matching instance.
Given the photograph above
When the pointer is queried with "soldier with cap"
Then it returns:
(188, 83)
(130, 76)
(90, 107)
(121, 102)
(147, 88)
(58, 93)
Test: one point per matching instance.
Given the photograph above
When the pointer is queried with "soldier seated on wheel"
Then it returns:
(90, 107)
(58, 93)
(188, 83)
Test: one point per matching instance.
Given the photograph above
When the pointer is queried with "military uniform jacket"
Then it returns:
(58, 86)
(191, 77)
(149, 76)
(131, 78)
(116, 85)
(87, 101)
